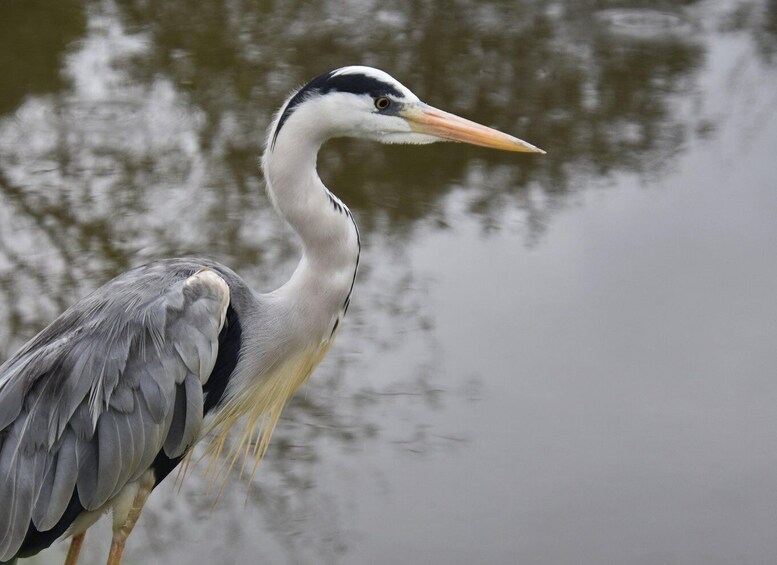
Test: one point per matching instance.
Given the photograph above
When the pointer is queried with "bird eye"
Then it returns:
(382, 103)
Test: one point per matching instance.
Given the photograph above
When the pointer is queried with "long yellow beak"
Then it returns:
(431, 121)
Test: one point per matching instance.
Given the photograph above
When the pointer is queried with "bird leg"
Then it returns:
(117, 550)
(75, 549)
(126, 512)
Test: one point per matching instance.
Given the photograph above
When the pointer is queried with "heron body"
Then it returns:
(100, 406)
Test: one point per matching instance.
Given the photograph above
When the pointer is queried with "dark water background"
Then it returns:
(567, 359)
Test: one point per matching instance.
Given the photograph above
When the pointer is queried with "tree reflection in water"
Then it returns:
(133, 132)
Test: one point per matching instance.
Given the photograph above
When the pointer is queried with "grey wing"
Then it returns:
(90, 402)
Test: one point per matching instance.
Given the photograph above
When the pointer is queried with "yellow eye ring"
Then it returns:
(382, 103)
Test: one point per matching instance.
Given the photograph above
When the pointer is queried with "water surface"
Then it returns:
(551, 360)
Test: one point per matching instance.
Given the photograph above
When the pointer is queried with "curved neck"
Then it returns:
(320, 288)
(322, 221)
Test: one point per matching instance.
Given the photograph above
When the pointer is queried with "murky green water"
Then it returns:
(550, 360)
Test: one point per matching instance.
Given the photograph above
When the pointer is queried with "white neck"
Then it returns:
(323, 280)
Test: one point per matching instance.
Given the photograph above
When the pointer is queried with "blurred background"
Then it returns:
(560, 359)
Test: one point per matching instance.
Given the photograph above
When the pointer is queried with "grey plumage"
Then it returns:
(93, 398)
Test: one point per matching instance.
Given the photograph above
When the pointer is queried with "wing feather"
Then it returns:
(8, 487)
(11, 398)
(88, 466)
(110, 453)
(19, 503)
(51, 503)
(155, 398)
(153, 436)
(132, 453)
(91, 401)
(123, 399)
(177, 424)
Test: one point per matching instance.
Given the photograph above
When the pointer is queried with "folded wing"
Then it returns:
(90, 402)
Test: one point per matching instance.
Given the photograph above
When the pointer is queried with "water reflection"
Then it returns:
(164, 97)
(547, 71)
(34, 36)
(131, 131)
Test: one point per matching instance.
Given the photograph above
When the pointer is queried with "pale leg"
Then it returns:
(75, 549)
(126, 513)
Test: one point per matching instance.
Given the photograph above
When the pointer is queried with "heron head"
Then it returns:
(364, 102)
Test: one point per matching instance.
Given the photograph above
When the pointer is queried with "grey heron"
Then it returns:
(100, 406)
